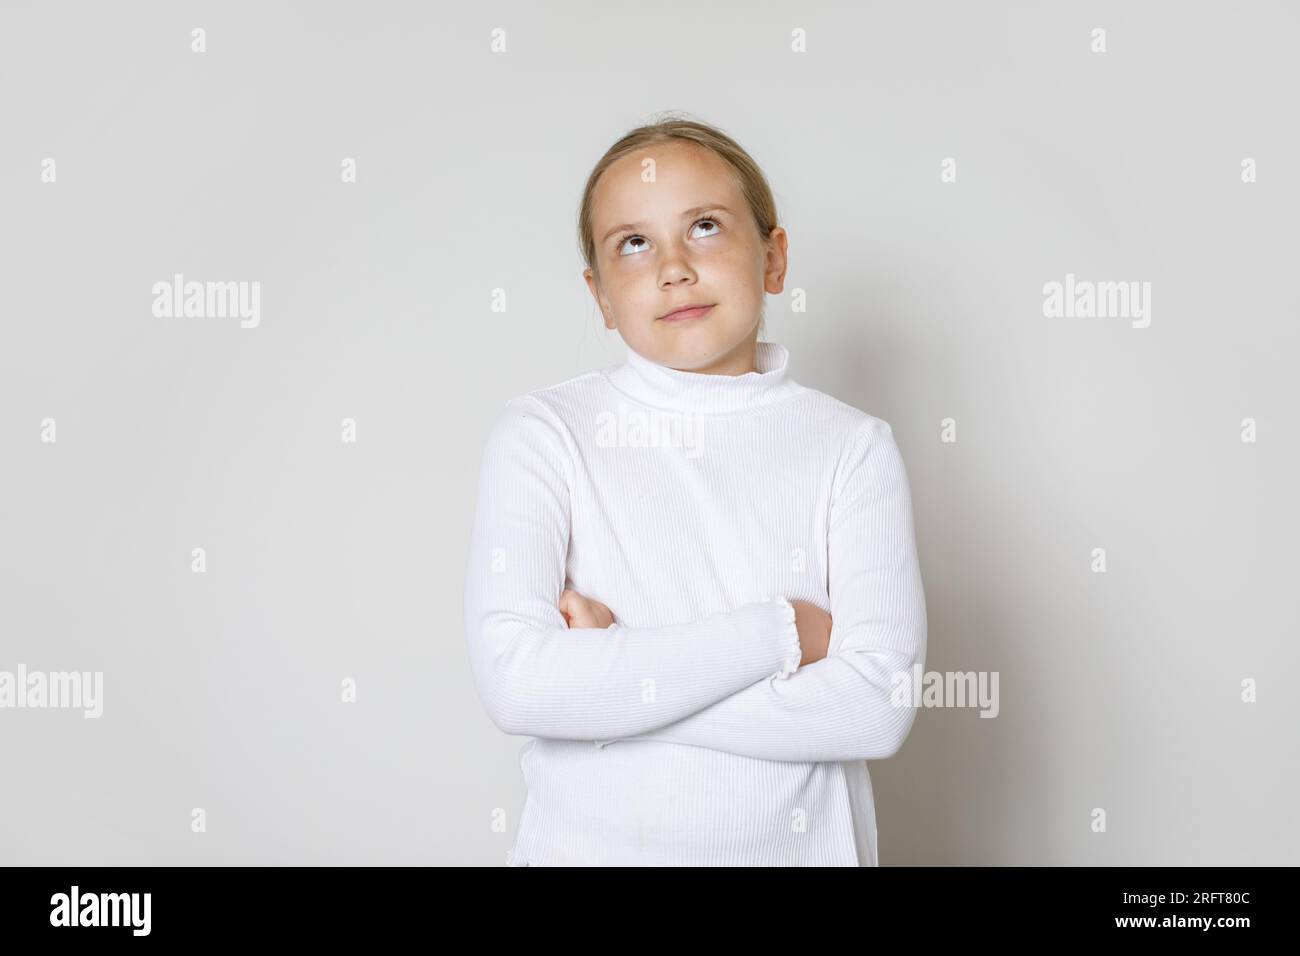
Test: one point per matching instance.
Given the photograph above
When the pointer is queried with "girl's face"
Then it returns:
(685, 238)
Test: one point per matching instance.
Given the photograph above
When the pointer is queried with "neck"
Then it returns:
(733, 384)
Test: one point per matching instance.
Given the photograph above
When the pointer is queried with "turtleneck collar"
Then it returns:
(670, 388)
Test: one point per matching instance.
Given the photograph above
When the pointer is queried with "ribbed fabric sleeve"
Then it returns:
(846, 706)
(535, 675)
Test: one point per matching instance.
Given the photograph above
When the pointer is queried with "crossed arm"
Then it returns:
(539, 677)
(728, 681)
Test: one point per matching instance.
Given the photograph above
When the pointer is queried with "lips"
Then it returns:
(687, 312)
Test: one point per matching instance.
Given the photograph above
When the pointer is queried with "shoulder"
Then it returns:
(866, 452)
(849, 424)
(541, 421)
(558, 403)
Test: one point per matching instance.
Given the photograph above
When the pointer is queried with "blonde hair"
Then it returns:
(672, 128)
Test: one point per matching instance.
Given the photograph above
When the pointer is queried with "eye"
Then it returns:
(626, 239)
(712, 222)
(630, 237)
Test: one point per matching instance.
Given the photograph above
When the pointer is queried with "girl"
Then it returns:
(692, 580)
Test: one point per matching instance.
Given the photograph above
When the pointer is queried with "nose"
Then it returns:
(675, 271)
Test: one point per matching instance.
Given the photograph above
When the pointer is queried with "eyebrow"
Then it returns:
(693, 211)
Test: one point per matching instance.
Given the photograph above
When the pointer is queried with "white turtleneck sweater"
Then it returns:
(695, 506)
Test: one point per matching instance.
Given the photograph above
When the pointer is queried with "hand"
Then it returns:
(582, 611)
(814, 626)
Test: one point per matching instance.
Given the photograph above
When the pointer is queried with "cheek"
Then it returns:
(627, 277)
(619, 279)
(739, 267)
(740, 257)
(630, 292)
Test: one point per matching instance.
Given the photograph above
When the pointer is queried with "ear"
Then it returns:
(775, 261)
(594, 286)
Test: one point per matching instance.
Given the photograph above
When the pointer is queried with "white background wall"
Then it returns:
(327, 560)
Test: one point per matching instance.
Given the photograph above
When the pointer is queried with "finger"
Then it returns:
(588, 615)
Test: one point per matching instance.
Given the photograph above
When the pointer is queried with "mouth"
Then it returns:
(687, 312)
